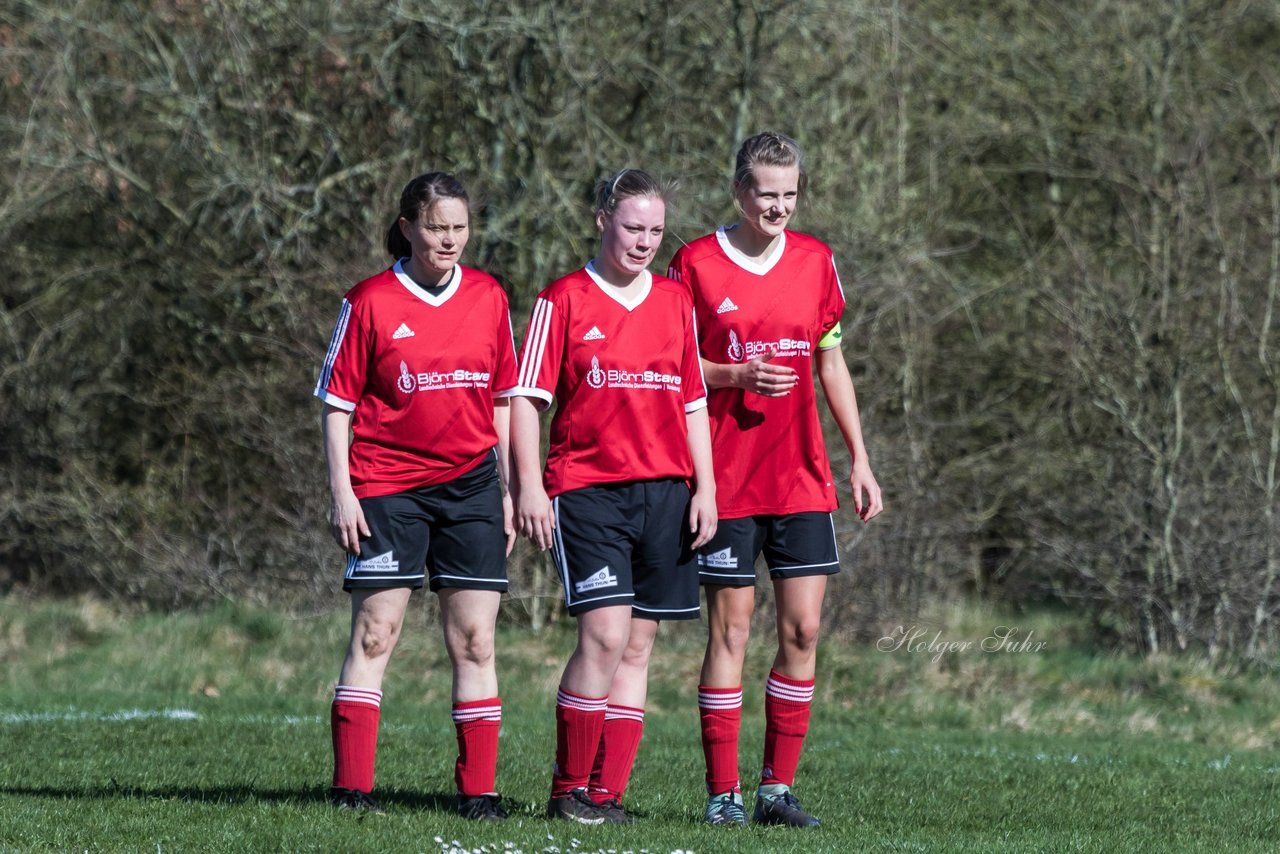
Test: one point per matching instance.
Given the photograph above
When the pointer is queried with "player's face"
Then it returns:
(630, 237)
(438, 237)
(766, 205)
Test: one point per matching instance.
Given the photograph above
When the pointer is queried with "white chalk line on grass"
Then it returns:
(187, 715)
(129, 715)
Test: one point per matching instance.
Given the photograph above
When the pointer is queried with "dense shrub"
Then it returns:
(1059, 231)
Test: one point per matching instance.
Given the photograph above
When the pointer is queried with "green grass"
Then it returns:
(209, 732)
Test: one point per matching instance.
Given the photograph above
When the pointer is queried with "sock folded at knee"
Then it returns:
(720, 714)
(619, 743)
(786, 722)
(353, 720)
(478, 723)
(579, 725)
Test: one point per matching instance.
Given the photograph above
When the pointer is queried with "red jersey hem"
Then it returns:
(377, 489)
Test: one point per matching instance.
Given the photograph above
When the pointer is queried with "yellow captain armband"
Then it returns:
(831, 339)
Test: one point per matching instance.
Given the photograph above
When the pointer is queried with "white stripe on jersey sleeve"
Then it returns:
(509, 392)
(695, 405)
(535, 347)
(839, 284)
(335, 343)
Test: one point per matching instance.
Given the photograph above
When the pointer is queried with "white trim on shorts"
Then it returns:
(472, 578)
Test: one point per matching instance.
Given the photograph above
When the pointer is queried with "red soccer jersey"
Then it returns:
(623, 375)
(768, 451)
(421, 373)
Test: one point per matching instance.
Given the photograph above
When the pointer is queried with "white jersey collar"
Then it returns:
(764, 265)
(612, 292)
(455, 280)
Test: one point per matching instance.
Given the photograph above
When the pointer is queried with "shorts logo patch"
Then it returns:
(722, 559)
(382, 564)
(601, 578)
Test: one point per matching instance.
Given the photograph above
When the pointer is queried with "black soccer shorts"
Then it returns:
(627, 544)
(794, 545)
(449, 532)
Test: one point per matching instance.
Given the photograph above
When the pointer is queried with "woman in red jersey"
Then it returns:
(768, 303)
(416, 433)
(613, 345)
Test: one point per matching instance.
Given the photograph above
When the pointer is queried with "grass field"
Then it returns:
(209, 732)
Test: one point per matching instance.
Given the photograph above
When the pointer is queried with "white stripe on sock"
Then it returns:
(790, 693)
(720, 701)
(583, 704)
(348, 694)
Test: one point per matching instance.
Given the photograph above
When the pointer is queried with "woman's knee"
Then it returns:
(375, 638)
(607, 639)
(800, 635)
(472, 645)
(730, 636)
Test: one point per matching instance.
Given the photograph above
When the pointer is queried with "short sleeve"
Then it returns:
(677, 269)
(342, 376)
(505, 372)
(692, 381)
(832, 305)
(543, 352)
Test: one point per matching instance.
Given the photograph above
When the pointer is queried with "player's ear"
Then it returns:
(601, 216)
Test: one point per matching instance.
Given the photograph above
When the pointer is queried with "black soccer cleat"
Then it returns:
(354, 800)
(614, 813)
(776, 805)
(574, 805)
(482, 808)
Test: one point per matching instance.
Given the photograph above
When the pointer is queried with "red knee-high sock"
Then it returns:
(786, 721)
(720, 710)
(623, 729)
(579, 724)
(477, 723)
(354, 721)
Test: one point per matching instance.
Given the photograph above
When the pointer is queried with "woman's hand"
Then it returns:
(703, 518)
(863, 480)
(508, 522)
(762, 378)
(346, 521)
(533, 515)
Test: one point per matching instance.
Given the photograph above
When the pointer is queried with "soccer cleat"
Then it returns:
(726, 809)
(614, 813)
(574, 805)
(354, 800)
(482, 807)
(776, 805)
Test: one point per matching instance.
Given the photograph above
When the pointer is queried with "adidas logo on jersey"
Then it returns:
(726, 306)
(601, 578)
(722, 559)
(594, 335)
(403, 332)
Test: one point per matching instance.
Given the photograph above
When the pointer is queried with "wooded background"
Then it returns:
(1058, 227)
